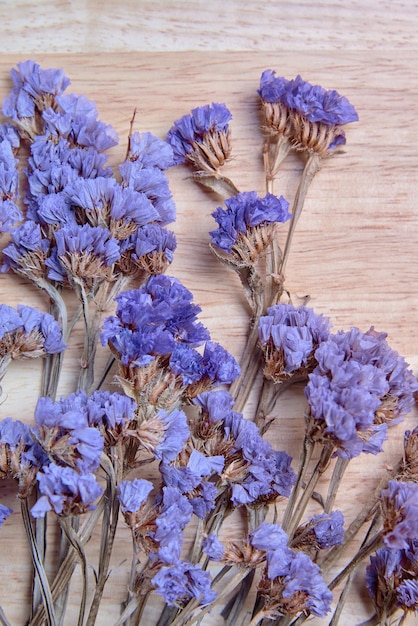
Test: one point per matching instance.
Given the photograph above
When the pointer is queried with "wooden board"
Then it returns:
(354, 252)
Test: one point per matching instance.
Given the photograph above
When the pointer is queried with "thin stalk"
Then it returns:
(312, 166)
(337, 475)
(299, 509)
(341, 602)
(77, 544)
(362, 517)
(274, 152)
(305, 457)
(68, 565)
(109, 526)
(371, 546)
(38, 564)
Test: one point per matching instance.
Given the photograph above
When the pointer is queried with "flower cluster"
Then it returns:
(83, 227)
(154, 335)
(202, 137)
(248, 225)
(289, 337)
(309, 115)
(359, 388)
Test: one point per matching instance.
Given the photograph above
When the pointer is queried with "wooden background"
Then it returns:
(355, 249)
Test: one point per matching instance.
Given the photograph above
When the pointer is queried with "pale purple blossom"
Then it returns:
(194, 127)
(147, 150)
(175, 433)
(65, 491)
(407, 595)
(245, 211)
(328, 529)
(400, 513)
(133, 494)
(183, 581)
(213, 547)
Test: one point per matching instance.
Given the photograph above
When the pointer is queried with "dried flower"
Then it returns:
(289, 336)
(247, 226)
(65, 491)
(133, 494)
(400, 511)
(202, 137)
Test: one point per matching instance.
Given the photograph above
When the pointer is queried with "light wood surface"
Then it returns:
(355, 248)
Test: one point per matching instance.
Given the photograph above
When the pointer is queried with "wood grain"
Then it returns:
(354, 252)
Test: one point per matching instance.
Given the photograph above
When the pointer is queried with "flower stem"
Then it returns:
(321, 466)
(337, 475)
(76, 543)
(312, 166)
(305, 457)
(37, 562)
(371, 546)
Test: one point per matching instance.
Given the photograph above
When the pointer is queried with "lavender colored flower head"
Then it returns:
(216, 404)
(213, 547)
(317, 104)
(27, 252)
(272, 88)
(174, 434)
(205, 126)
(400, 513)
(219, 365)
(305, 576)
(153, 183)
(33, 87)
(63, 431)
(174, 515)
(245, 215)
(133, 494)
(268, 537)
(149, 151)
(351, 391)
(108, 411)
(289, 336)
(180, 582)
(4, 513)
(322, 531)
(9, 177)
(407, 595)
(65, 491)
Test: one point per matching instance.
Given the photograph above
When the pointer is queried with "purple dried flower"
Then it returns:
(213, 548)
(305, 576)
(187, 363)
(65, 491)
(217, 404)
(351, 391)
(133, 494)
(243, 225)
(317, 104)
(407, 595)
(33, 86)
(174, 434)
(289, 336)
(9, 178)
(219, 365)
(27, 252)
(326, 529)
(150, 151)
(268, 537)
(182, 581)
(400, 513)
(4, 513)
(109, 410)
(153, 183)
(194, 128)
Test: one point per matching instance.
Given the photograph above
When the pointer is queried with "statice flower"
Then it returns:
(213, 548)
(321, 532)
(309, 114)
(4, 513)
(65, 491)
(111, 414)
(400, 513)
(9, 178)
(76, 120)
(63, 431)
(291, 582)
(165, 434)
(407, 595)
(359, 387)
(28, 333)
(153, 183)
(248, 225)
(34, 89)
(289, 336)
(85, 253)
(189, 480)
(173, 516)
(133, 494)
(28, 251)
(183, 581)
(149, 250)
(147, 150)
(202, 137)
